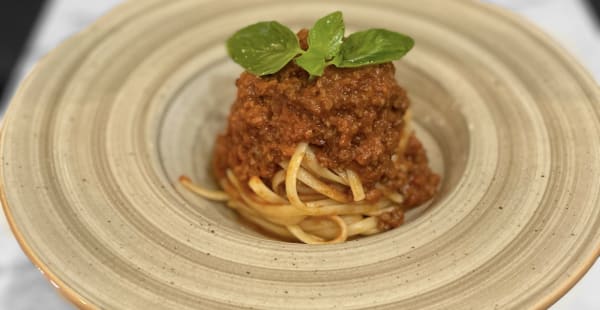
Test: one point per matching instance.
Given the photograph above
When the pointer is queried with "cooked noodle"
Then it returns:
(306, 201)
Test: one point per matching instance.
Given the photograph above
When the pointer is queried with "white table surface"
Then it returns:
(22, 287)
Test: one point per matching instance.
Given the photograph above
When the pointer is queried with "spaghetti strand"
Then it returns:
(305, 237)
(304, 201)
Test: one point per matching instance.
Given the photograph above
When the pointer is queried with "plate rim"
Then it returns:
(76, 299)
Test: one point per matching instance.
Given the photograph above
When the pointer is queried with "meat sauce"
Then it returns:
(351, 118)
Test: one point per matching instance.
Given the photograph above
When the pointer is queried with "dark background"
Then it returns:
(17, 19)
(595, 6)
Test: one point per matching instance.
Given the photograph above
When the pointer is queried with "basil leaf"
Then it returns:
(324, 41)
(373, 46)
(263, 48)
(312, 62)
(326, 36)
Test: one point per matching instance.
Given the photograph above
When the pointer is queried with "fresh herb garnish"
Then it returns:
(266, 47)
(324, 41)
(373, 46)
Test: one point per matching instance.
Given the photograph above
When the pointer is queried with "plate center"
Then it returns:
(198, 113)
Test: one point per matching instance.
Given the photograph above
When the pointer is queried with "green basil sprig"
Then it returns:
(373, 46)
(325, 39)
(263, 48)
(266, 47)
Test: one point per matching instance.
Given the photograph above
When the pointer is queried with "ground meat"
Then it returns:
(351, 118)
(391, 219)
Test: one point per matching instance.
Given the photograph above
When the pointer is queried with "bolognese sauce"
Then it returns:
(319, 149)
(351, 118)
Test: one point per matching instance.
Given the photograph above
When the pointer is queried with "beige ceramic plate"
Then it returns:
(97, 135)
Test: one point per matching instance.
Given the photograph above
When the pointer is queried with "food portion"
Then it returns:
(318, 147)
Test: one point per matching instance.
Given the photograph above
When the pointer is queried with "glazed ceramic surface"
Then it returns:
(96, 137)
